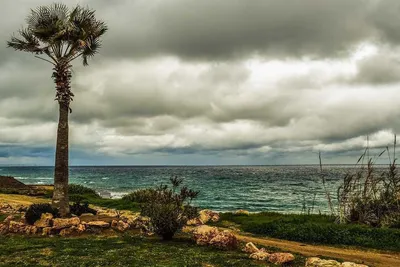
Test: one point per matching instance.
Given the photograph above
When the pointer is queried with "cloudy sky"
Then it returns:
(212, 82)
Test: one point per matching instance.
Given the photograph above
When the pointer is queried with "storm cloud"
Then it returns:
(212, 82)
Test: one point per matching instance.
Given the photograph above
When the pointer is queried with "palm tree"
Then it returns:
(58, 36)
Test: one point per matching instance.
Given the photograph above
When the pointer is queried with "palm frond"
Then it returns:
(28, 42)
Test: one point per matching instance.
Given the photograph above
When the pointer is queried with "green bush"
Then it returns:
(35, 211)
(169, 211)
(78, 209)
(76, 189)
(139, 196)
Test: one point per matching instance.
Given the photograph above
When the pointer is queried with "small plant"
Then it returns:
(371, 197)
(79, 209)
(139, 196)
(35, 211)
(170, 209)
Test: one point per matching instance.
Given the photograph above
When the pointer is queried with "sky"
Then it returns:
(188, 82)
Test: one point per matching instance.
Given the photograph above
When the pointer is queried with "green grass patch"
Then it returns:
(117, 251)
(318, 229)
(2, 217)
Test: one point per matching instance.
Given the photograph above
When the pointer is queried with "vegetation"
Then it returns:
(318, 229)
(79, 209)
(118, 251)
(62, 35)
(35, 211)
(168, 210)
(140, 196)
(369, 196)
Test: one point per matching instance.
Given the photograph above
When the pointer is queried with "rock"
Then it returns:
(31, 230)
(317, 262)
(119, 226)
(130, 218)
(9, 218)
(16, 227)
(88, 217)
(250, 248)
(280, 258)
(81, 228)
(3, 229)
(107, 216)
(45, 220)
(195, 221)
(68, 231)
(352, 264)
(99, 224)
(59, 223)
(47, 231)
(208, 215)
(203, 234)
(242, 212)
(224, 240)
(260, 255)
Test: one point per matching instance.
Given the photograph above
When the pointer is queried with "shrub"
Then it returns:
(78, 209)
(168, 210)
(35, 211)
(369, 197)
(139, 196)
(76, 189)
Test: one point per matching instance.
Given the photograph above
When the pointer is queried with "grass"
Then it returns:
(316, 229)
(117, 251)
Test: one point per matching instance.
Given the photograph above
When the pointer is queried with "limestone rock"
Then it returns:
(260, 255)
(280, 258)
(208, 215)
(317, 262)
(250, 248)
(45, 220)
(68, 231)
(88, 217)
(242, 212)
(352, 264)
(107, 215)
(9, 219)
(119, 226)
(47, 231)
(100, 224)
(224, 240)
(16, 227)
(195, 221)
(3, 229)
(203, 234)
(81, 228)
(59, 223)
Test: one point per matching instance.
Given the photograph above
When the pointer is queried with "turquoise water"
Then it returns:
(222, 188)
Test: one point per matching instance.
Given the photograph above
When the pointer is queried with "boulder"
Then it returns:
(59, 223)
(99, 224)
(47, 231)
(9, 219)
(203, 234)
(281, 258)
(81, 228)
(119, 226)
(242, 212)
(208, 215)
(16, 227)
(107, 215)
(260, 255)
(250, 248)
(195, 221)
(45, 220)
(88, 217)
(3, 229)
(129, 218)
(31, 230)
(352, 264)
(224, 240)
(68, 231)
(317, 262)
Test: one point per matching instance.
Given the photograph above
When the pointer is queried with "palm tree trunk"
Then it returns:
(62, 77)
(60, 194)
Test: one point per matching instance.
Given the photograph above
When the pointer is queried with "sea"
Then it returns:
(287, 189)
